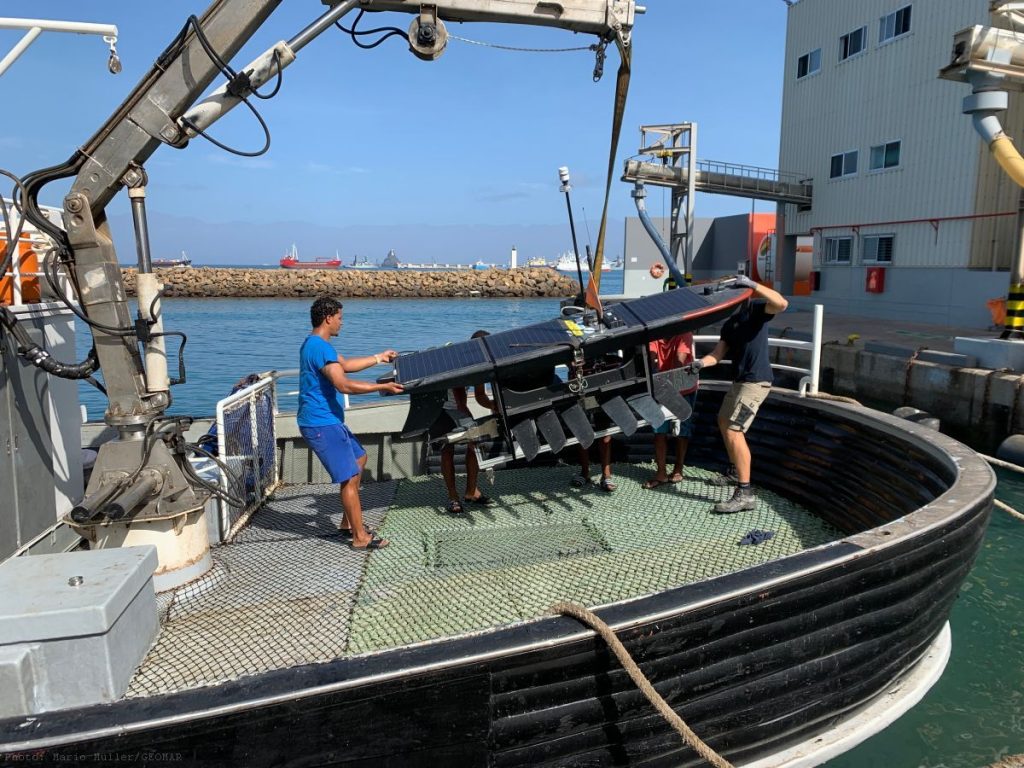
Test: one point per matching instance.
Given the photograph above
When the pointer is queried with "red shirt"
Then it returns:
(674, 353)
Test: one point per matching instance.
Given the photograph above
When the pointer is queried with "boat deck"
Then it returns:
(288, 591)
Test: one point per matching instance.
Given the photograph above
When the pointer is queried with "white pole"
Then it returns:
(19, 48)
(816, 351)
(222, 452)
(512, 262)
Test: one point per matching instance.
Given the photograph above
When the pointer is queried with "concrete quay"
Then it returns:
(216, 282)
(887, 364)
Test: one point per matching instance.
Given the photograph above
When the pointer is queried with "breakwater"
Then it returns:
(216, 282)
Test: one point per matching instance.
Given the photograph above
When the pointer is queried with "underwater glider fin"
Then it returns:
(666, 393)
(525, 434)
(620, 414)
(647, 409)
(575, 418)
(551, 428)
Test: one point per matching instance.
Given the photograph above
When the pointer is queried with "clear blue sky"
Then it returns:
(455, 159)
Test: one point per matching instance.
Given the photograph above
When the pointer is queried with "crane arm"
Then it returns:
(165, 108)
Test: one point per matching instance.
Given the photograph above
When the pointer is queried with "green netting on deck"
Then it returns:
(544, 541)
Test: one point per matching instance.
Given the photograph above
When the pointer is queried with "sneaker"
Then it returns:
(741, 500)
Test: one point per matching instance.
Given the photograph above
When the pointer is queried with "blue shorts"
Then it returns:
(337, 448)
(685, 427)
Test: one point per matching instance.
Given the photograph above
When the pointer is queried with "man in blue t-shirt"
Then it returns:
(744, 340)
(321, 416)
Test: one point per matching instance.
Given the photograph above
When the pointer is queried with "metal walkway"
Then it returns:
(287, 591)
(725, 179)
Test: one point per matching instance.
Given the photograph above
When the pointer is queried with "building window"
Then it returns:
(877, 249)
(843, 164)
(852, 43)
(895, 24)
(808, 64)
(837, 250)
(885, 155)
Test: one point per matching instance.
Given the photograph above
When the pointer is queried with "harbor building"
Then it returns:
(911, 217)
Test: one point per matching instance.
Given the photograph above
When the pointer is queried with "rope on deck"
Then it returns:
(589, 618)
(834, 398)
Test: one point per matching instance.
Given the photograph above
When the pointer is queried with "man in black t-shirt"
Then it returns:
(744, 340)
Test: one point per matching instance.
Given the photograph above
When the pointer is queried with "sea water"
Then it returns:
(972, 717)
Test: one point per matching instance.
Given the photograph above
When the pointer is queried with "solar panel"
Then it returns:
(452, 364)
(684, 309)
(665, 306)
(533, 342)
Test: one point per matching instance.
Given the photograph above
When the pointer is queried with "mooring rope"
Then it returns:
(835, 398)
(1004, 464)
(589, 618)
(1007, 508)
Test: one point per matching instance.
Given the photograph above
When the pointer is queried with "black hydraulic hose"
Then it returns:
(34, 182)
(13, 238)
(40, 358)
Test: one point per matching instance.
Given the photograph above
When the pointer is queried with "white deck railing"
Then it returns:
(247, 445)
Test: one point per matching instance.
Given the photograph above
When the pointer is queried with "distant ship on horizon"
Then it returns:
(184, 261)
(291, 261)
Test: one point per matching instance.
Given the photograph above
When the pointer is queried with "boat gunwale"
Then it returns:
(970, 475)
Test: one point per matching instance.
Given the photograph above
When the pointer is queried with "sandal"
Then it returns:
(482, 499)
(654, 482)
(580, 481)
(454, 507)
(346, 533)
(376, 542)
(607, 485)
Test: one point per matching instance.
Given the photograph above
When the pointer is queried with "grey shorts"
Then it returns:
(742, 402)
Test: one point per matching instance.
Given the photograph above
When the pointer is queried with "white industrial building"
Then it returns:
(911, 217)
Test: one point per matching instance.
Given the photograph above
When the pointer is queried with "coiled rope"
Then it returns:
(585, 616)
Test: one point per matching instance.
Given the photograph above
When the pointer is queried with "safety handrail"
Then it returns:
(809, 383)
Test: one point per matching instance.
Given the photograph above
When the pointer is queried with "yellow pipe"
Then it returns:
(1008, 157)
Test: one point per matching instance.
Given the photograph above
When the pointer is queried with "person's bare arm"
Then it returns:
(776, 301)
(481, 397)
(335, 373)
(354, 364)
(714, 357)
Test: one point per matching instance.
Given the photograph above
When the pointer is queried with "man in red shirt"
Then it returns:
(666, 355)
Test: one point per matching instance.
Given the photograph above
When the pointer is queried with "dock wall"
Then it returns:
(214, 282)
(977, 406)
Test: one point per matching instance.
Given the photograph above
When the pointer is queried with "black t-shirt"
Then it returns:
(746, 336)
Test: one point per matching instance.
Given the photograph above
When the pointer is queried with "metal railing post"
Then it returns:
(816, 351)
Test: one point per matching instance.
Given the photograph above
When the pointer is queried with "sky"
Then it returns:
(454, 160)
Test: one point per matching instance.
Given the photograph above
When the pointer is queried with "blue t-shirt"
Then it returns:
(746, 336)
(320, 403)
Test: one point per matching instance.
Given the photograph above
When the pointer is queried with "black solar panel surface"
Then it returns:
(530, 342)
(664, 307)
(432, 362)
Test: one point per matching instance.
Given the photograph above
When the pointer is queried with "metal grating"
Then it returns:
(279, 595)
(288, 591)
(455, 550)
(650, 540)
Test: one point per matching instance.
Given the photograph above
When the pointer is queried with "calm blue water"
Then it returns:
(971, 718)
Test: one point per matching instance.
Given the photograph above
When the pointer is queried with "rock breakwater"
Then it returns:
(215, 282)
